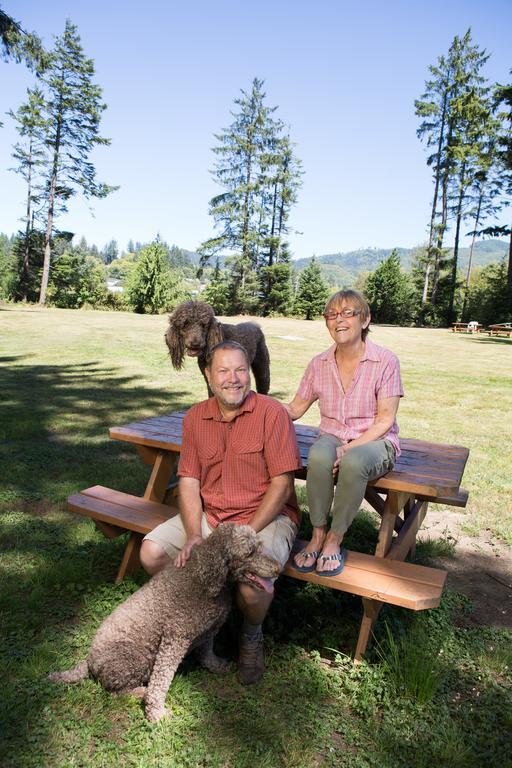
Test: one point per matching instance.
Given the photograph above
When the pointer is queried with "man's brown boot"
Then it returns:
(250, 658)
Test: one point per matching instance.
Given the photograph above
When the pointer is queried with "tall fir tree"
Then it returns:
(258, 170)
(452, 78)
(30, 155)
(312, 292)
(73, 114)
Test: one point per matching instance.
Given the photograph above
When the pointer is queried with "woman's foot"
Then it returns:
(305, 560)
(332, 558)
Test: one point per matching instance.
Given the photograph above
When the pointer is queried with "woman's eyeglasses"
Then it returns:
(347, 312)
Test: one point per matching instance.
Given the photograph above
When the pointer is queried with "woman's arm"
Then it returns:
(297, 407)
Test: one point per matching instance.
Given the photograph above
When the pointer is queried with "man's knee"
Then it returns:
(253, 601)
(152, 557)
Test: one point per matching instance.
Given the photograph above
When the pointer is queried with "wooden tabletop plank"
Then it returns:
(423, 467)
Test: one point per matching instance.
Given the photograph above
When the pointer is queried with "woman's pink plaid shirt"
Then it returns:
(348, 414)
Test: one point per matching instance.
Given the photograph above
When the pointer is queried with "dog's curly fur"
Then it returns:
(138, 648)
(194, 330)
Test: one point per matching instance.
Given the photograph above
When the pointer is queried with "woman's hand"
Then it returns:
(340, 452)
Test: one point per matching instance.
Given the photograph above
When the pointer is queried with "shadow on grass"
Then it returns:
(54, 428)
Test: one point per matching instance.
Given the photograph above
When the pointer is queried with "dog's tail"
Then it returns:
(80, 672)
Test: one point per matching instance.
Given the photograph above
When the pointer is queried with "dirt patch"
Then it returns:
(481, 568)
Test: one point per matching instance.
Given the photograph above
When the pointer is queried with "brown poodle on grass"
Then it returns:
(194, 329)
(138, 648)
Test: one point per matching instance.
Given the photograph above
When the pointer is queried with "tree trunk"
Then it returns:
(51, 212)
(453, 281)
(26, 251)
(470, 261)
(434, 210)
(424, 295)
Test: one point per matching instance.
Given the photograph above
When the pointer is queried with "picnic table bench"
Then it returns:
(425, 472)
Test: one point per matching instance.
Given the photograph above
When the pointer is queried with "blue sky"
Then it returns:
(344, 75)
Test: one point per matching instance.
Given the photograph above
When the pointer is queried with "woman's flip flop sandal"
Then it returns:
(304, 555)
(339, 556)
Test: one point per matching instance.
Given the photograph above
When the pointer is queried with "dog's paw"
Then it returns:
(138, 693)
(221, 666)
(215, 664)
(155, 714)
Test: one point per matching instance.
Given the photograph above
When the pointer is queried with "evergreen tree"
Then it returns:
(257, 168)
(30, 155)
(474, 130)
(312, 293)
(8, 267)
(130, 248)
(277, 287)
(216, 292)
(73, 113)
(453, 78)
(389, 292)
(110, 252)
(17, 44)
(153, 286)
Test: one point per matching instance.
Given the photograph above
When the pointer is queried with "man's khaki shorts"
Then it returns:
(277, 537)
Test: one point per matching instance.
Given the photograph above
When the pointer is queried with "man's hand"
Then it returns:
(184, 555)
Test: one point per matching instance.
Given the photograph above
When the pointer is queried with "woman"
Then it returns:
(358, 386)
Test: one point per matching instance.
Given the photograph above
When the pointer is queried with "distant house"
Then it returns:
(114, 286)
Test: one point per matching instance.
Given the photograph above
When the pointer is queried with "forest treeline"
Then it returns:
(246, 265)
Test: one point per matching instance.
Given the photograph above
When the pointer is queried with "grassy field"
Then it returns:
(433, 692)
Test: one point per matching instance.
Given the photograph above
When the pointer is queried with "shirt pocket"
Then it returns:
(209, 451)
(247, 444)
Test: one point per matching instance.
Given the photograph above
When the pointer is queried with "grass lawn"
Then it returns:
(432, 692)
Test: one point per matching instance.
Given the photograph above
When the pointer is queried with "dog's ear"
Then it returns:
(214, 334)
(175, 341)
(211, 562)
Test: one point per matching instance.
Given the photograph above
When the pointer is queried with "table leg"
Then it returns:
(164, 466)
(371, 610)
(131, 560)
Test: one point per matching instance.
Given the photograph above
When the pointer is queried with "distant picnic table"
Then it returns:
(470, 327)
(500, 329)
(425, 472)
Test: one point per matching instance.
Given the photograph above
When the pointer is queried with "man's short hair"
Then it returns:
(226, 345)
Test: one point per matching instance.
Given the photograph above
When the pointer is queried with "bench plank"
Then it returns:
(408, 585)
(122, 510)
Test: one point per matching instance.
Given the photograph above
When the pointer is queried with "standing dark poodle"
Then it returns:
(138, 648)
(194, 329)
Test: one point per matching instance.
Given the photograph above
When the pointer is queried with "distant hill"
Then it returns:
(344, 268)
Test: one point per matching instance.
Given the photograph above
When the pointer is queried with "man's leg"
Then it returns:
(278, 538)
(163, 543)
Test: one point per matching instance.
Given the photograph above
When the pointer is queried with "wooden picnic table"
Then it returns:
(425, 472)
(500, 329)
(466, 327)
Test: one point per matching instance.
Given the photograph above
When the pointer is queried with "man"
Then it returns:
(237, 464)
